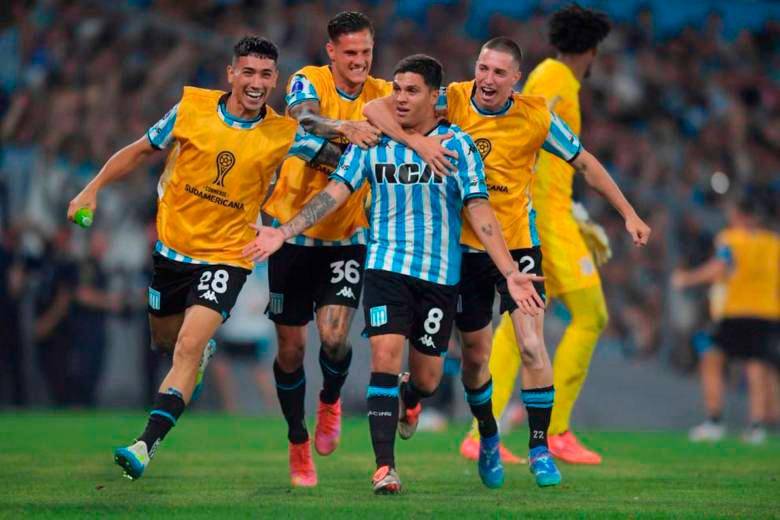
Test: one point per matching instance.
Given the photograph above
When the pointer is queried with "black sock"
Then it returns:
(481, 403)
(412, 395)
(291, 390)
(715, 419)
(334, 373)
(382, 398)
(538, 402)
(166, 410)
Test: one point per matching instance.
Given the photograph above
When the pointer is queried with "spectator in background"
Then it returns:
(13, 278)
(52, 328)
(92, 303)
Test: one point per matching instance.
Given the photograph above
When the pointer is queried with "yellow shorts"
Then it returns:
(566, 261)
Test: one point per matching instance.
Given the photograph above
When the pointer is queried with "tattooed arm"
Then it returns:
(488, 230)
(322, 205)
(328, 156)
(360, 133)
(269, 239)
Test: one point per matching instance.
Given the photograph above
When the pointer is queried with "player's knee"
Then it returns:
(187, 352)
(475, 359)
(291, 357)
(385, 360)
(426, 386)
(531, 352)
(336, 347)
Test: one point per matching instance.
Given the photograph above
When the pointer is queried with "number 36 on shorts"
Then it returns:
(348, 270)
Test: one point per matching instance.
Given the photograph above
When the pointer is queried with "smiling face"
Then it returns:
(495, 74)
(414, 101)
(351, 55)
(252, 79)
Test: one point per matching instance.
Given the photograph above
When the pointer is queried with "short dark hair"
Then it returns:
(255, 46)
(347, 22)
(507, 45)
(574, 29)
(429, 68)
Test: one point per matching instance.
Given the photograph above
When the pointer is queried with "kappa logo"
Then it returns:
(225, 162)
(346, 292)
(210, 296)
(427, 341)
(484, 146)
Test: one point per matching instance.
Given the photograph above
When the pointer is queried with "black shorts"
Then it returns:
(421, 311)
(479, 281)
(744, 338)
(255, 351)
(302, 279)
(178, 285)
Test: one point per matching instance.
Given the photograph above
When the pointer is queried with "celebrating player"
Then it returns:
(509, 129)
(747, 261)
(328, 101)
(226, 147)
(568, 265)
(413, 261)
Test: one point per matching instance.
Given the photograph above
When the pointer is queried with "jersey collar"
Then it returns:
(235, 122)
(341, 93)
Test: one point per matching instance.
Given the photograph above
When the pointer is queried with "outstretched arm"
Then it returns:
(270, 239)
(120, 164)
(483, 221)
(598, 178)
(380, 113)
(709, 272)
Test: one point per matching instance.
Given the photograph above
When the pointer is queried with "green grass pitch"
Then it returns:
(214, 466)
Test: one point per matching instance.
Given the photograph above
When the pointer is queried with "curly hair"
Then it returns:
(574, 29)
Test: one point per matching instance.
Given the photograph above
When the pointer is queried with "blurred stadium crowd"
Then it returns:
(684, 112)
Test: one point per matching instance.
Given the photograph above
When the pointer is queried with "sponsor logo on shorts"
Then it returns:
(427, 341)
(154, 299)
(346, 292)
(210, 296)
(276, 304)
(378, 316)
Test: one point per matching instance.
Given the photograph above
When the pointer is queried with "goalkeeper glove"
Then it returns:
(594, 235)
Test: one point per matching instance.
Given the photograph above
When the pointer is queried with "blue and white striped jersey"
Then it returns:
(415, 219)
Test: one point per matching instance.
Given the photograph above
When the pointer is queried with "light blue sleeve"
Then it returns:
(300, 90)
(471, 169)
(441, 101)
(351, 169)
(723, 252)
(561, 141)
(305, 145)
(160, 134)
